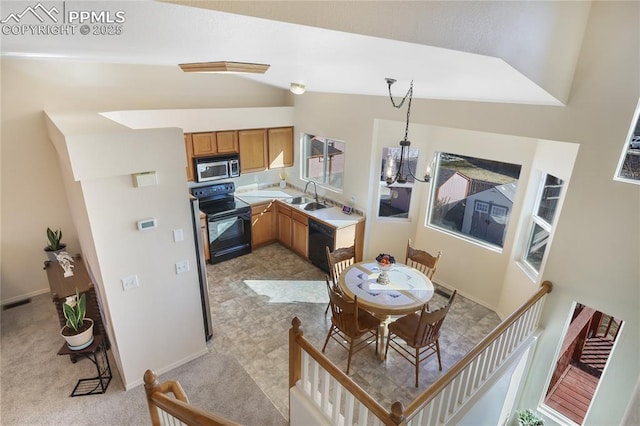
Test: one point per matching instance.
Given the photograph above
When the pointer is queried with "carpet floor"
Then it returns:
(36, 383)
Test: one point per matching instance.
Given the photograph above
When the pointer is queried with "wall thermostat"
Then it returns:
(145, 224)
(347, 209)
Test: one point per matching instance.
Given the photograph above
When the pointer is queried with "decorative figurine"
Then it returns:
(66, 263)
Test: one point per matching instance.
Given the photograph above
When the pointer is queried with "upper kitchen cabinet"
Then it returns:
(227, 142)
(252, 145)
(280, 141)
(213, 143)
(204, 144)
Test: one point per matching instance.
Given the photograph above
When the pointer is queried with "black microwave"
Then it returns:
(219, 167)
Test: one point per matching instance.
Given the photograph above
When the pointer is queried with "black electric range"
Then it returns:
(228, 221)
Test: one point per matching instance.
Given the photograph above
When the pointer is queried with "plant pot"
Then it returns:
(51, 254)
(75, 340)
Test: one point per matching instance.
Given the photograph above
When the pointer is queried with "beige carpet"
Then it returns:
(36, 382)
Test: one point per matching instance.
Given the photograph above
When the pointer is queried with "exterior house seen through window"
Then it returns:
(542, 221)
(323, 161)
(473, 197)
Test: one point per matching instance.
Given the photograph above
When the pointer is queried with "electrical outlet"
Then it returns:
(130, 282)
(182, 267)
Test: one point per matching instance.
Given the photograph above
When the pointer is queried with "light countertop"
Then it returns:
(331, 215)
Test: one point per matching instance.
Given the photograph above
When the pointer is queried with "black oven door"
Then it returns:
(229, 236)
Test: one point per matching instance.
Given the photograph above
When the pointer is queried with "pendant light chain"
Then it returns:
(409, 94)
(405, 143)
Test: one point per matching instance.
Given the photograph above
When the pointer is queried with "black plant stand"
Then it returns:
(96, 353)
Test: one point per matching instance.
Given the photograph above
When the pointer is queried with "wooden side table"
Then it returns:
(96, 353)
(62, 287)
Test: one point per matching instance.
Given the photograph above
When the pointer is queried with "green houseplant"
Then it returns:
(55, 244)
(529, 418)
(78, 331)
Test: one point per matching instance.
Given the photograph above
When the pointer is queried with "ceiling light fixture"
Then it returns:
(224, 66)
(405, 144)
(297, 88)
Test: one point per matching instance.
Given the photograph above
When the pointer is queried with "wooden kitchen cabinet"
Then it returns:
(300, 233)
(188, 145)
(284, 225)
(263, 224)
(252, 145)
(204, 144)
(280, 142)
(227, 142)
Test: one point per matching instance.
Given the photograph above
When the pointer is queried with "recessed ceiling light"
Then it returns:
(297, 88)
(230, 67)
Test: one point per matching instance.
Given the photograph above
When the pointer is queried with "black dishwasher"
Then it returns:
(320, 236)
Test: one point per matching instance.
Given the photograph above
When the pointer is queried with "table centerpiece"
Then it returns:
(385, 263)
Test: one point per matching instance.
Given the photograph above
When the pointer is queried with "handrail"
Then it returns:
(439, 385)
(297, 342)
(178, 407)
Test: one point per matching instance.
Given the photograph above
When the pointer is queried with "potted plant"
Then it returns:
(78, 331)
(55, 245)
(529, 418)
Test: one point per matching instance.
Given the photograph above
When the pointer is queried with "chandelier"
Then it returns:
(405, 144)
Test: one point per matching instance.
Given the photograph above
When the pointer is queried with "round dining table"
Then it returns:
(406, 291)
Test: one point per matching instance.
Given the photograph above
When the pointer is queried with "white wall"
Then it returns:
(159, 324)
(557, 159)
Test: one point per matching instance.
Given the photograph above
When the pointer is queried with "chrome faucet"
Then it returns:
(315, 189)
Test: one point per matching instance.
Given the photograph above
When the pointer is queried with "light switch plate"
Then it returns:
(182, 266)
(178, 235)
(130, 282)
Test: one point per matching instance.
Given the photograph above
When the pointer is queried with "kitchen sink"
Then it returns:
(315, 206)
(299, 200)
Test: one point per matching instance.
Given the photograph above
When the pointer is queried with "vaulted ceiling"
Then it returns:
(512, 51)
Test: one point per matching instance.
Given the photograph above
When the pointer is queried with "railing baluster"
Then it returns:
(324, 391)
(363, 414)
(314, 381)
(336, 401)
(349, 407)
(306, 385)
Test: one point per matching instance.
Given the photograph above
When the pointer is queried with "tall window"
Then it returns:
(542, 221)
(323, 161)
(395, 199)
(473, 197)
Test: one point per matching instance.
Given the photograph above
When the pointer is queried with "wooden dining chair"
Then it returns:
(422, 261)
(415, 336)
(339, 260)
(357, 327)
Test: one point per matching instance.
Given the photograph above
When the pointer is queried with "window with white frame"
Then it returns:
(323, 161)
(472, 197)
(542, 219)
(394, 200)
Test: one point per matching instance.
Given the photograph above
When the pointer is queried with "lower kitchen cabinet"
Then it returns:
(284, 225)
(263, 224)
(300, 233)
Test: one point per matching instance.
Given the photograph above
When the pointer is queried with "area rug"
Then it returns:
(283, 291)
